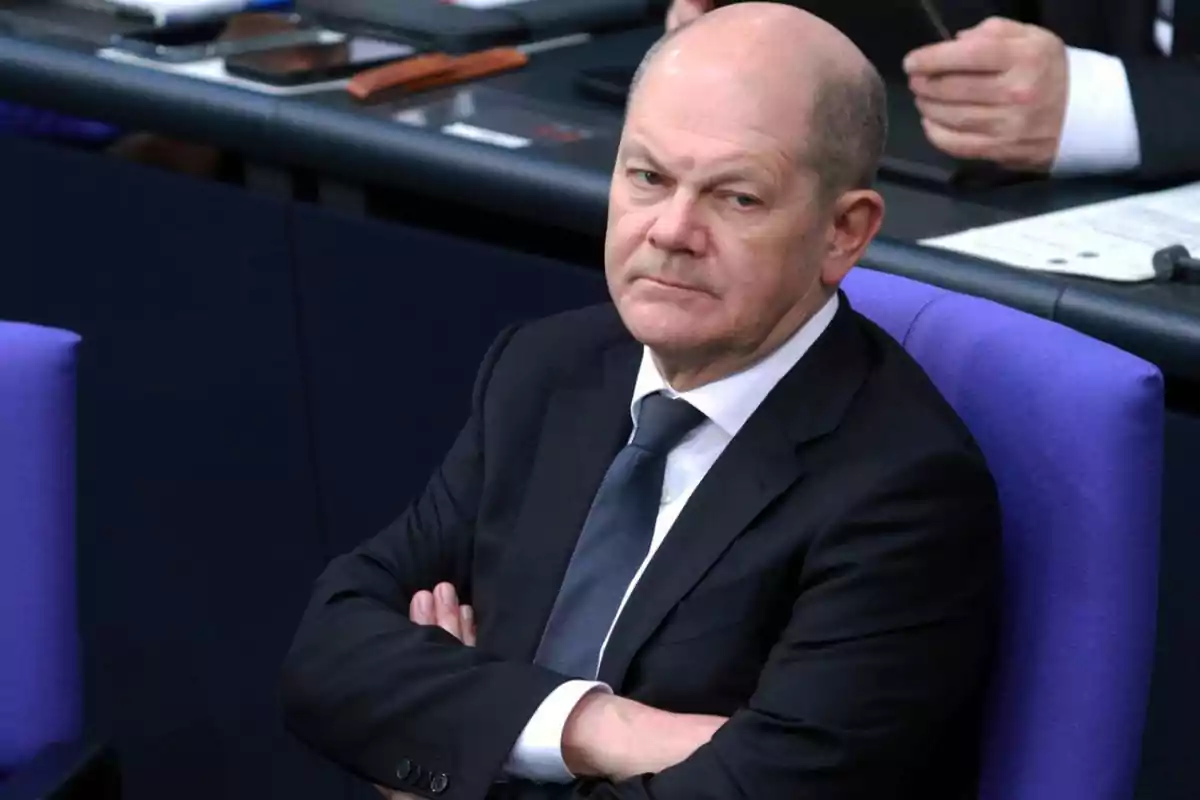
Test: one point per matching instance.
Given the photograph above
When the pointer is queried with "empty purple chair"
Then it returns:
(1073, 431)
(40, 684)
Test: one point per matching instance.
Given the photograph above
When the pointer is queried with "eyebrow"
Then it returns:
(640, 151)
(637, 150)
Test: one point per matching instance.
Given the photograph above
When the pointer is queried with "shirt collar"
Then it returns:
(730, 401)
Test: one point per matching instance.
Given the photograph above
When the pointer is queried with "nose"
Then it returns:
(677, 227)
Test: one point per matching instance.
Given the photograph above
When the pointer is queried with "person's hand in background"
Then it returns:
(996, 92)
(682, 12)
(439, 607)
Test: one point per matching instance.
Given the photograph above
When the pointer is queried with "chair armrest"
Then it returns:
(82, 770)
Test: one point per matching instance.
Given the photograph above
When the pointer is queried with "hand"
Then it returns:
(441, 607)
(617, 738)
(997, 92)
(682, 12)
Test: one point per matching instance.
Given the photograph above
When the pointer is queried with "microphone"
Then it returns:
(1175, 263)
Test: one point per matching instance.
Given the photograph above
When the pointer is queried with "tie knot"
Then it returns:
(663, 422)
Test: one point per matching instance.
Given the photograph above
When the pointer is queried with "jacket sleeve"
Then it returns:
(398, 704)
(884, 659)
(1165, 92)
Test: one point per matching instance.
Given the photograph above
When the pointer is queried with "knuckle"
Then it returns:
(1021, 93)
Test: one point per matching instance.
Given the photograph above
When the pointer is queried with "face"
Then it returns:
(716, 234)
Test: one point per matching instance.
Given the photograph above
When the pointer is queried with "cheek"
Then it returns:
(760, 276)
(625, 233)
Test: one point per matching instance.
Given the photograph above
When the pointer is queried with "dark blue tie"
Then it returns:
(615, 539)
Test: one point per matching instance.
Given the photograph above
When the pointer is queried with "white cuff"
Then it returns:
(537, 755)
(1100, 133)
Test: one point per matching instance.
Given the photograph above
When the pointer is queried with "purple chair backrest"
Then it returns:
(22, 120)
(1073, 432)
(40, 691)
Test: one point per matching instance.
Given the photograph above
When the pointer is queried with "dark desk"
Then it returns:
(271, 437)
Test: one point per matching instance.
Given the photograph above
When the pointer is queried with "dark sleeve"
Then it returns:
(1166, 101)
(399, 704)
(881, 666)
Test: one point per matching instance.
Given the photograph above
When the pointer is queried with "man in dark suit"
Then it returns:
(1067, 87)
(719, 539)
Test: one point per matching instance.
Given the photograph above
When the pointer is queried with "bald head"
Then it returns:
(810, 80)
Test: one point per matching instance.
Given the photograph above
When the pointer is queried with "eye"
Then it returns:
(646, 177)
(745, 200)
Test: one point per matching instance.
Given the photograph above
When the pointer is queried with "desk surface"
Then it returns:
(566, 187)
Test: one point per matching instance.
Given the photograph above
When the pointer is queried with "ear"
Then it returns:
(855, 220)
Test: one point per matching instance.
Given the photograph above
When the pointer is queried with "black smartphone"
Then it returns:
(317, 63)
(244, 33)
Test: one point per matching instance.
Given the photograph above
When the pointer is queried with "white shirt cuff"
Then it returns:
(537, 755)
(1100, 133)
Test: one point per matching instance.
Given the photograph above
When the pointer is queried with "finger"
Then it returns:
(961, 144)
(468, 625)
(448, 618)
(684, 11)
(1000, 27)
(964, 117)
(960, 88)
(420, 610)
(970, 54)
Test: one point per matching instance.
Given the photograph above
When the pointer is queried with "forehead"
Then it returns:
(709, 116)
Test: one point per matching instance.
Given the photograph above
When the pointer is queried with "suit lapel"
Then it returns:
(762, 462)
(586, 423)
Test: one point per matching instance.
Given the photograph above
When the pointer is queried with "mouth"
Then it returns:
(675, 285)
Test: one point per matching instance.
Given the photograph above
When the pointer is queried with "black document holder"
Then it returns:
(437, 25)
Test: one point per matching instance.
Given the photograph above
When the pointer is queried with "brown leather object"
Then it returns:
(372, 81)
(433, 70)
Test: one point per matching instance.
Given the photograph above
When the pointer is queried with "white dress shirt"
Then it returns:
(1100, 131)
(727, 404)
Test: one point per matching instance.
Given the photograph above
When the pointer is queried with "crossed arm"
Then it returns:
(885, 652)
(378, 673)
(606, 736)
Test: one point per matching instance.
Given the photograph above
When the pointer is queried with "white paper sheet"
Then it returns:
(483, 5)
(175, 12)
(1114, 240)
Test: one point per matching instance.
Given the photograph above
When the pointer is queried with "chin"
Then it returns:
(662, 326)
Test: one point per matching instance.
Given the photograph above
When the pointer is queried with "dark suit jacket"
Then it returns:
(1165, 91)
(831, 584)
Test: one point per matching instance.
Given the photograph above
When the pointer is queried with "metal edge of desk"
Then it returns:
(80, 83)
(1169, 339)
(375, 150)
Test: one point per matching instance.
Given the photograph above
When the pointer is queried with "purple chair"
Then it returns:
(22, 120)
(41, 754)
(1073, 431)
